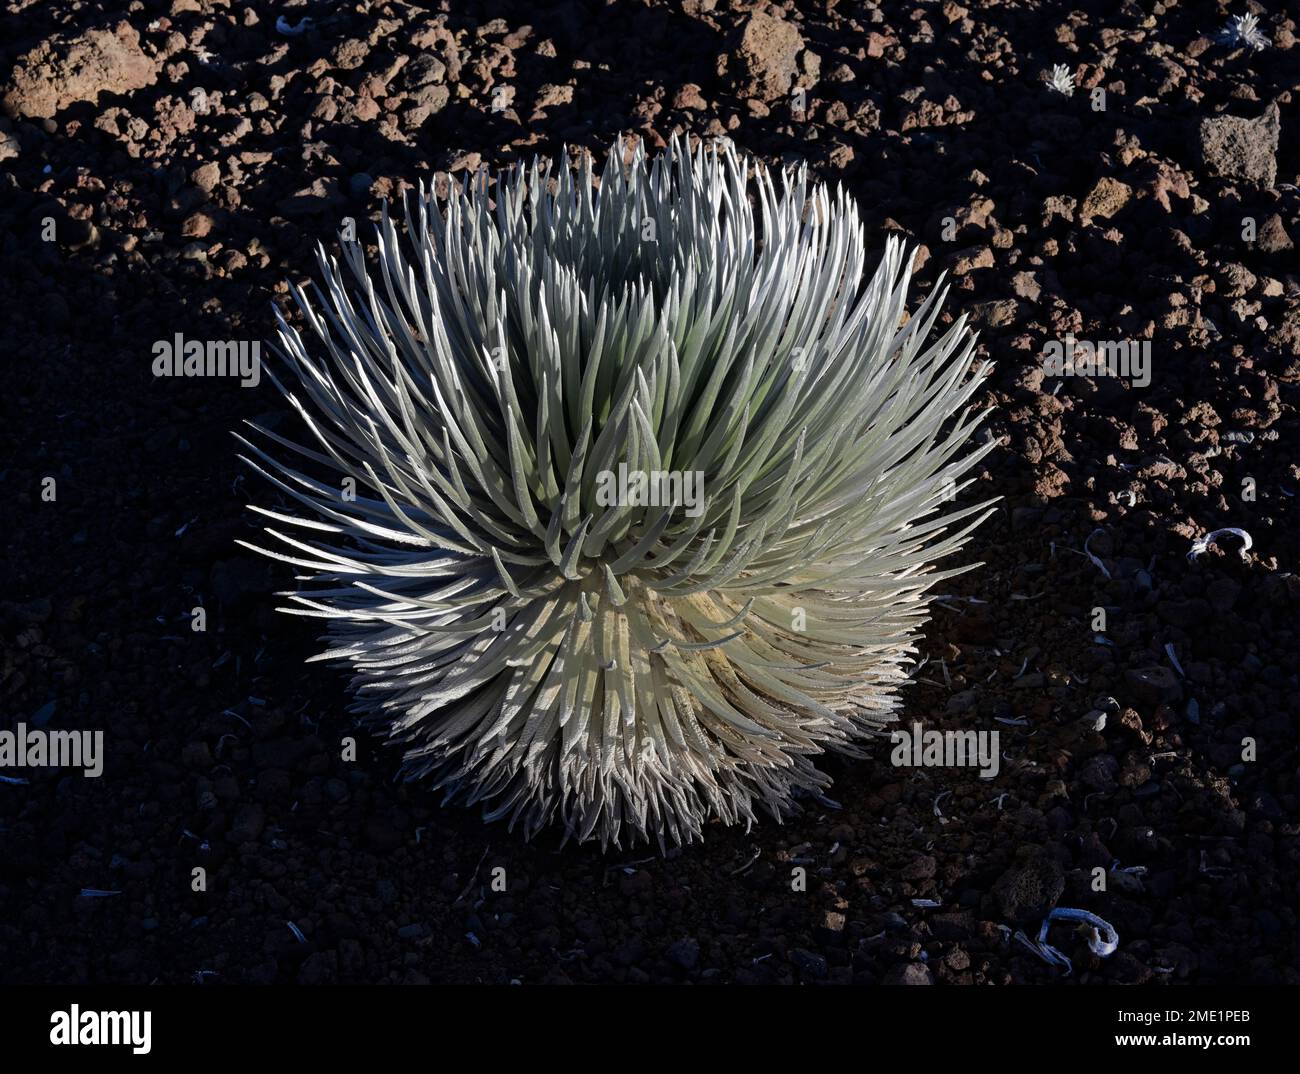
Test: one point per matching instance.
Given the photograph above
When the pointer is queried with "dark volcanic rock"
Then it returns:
(60, 72)
(1245, 149)
(768, 54)
(1030, 887)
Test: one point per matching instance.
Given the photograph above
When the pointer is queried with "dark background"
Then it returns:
(222, 748)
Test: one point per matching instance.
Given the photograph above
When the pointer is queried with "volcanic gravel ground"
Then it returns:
(190, 155)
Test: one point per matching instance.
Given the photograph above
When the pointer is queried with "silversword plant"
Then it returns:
(630, 670)
(1062, 80)
(1244, 30)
